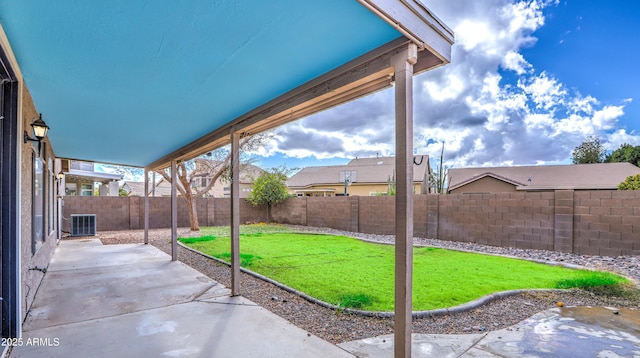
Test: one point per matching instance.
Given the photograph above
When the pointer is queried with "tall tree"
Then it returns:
(588, 152)
(196, 177)
(270, 188)
(625, 154)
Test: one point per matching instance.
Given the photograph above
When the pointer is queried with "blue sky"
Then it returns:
(593, 49)
(528, 82)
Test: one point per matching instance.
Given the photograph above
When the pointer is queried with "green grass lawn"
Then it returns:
(351, 273)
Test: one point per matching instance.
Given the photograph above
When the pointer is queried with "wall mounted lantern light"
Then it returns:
(40, 129)
(60, 176)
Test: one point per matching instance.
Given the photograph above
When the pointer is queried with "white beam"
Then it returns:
(417, 23)
(403, 66)
(235, 212)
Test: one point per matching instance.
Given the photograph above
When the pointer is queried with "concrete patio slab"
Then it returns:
(71, 254)
(569, 332)
(422, 345)
(196, 329)
(558, 332)
(132, 301)
(87, 293)
(219, 293)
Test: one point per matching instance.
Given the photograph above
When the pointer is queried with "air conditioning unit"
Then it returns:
(83, 225)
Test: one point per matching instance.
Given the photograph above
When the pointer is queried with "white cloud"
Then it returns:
(538, 121)
(620, 137)
(449, 89)
(574, 124)
(472, 34)
(515, 62)
(490, 105)
(545, 92)
(581, 104)
(607, 117)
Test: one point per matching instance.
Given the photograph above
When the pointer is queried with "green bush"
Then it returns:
(357, 301)
(631, 183)
(596, 279)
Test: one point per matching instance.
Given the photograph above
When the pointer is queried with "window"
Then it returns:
(71, 189)
(87, 190)
(51, 197)
(37, 205)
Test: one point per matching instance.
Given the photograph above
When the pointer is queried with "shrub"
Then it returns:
(631, 183)
(596, 279)
(357, 300)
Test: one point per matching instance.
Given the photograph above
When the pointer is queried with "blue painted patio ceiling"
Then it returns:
(130, 81)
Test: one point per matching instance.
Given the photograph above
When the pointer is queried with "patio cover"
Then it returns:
(148, 83)
(137, 82)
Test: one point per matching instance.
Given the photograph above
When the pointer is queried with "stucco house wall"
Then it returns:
(34, 260)
(360, 189)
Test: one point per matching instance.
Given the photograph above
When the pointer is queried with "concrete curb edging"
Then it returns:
(416, 314)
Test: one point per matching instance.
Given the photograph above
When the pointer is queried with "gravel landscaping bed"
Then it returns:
(338, 327)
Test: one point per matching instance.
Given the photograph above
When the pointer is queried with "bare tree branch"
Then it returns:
(214, 166)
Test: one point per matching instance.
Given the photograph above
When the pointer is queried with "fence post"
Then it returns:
(432, 216)
(355, 209)
(304, 209)
(211, 211)
(134, 212)
(563, 221)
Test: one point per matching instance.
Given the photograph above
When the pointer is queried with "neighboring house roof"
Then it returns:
(367, 170)
(550, 177)
(248, 172)
(135, 188)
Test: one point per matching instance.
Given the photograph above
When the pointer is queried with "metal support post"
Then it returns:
(403, 68)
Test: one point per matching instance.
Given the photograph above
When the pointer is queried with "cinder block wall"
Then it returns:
(377, 215)
(333, 212)
(292, 211)
(521, 220)
(606, 222)
(603, 222)
(127, 213)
